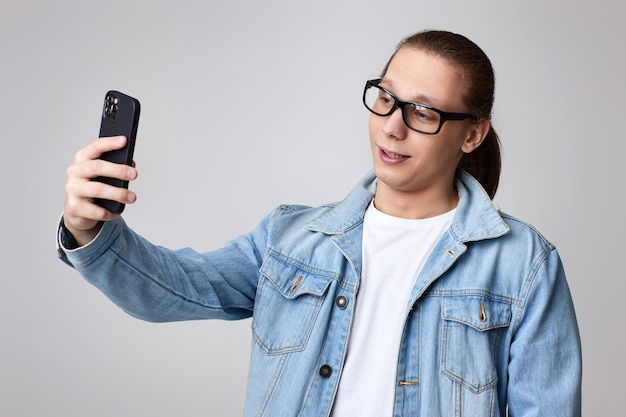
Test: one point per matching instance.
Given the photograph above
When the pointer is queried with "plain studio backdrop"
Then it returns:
(249, 104)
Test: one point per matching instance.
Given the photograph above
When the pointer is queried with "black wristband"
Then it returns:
(67, 239)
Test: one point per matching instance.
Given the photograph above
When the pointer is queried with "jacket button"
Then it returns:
(326, 371)
(341, 301)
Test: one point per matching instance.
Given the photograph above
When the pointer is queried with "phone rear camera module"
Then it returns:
(110, 107)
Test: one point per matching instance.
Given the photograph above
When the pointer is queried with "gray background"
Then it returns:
(250, 104)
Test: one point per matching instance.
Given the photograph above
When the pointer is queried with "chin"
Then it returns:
(392, 180)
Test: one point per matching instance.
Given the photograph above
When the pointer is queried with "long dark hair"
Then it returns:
(484, 163)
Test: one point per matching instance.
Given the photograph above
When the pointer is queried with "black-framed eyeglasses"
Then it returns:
(417, 116)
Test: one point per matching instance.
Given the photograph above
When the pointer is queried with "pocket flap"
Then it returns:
(292, 280)
(478, 312)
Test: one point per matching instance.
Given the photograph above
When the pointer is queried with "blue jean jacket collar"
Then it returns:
(476, 217)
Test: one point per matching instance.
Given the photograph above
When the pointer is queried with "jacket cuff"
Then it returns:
(73, 255)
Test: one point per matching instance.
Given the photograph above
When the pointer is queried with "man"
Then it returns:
(414, 296)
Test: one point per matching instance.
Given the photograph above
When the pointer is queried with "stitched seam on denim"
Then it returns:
(102, 250)
(284, 350)
(530, 280)
(167, 288)
(273, 383)
(305, 338)
(300, 265)
(454, 377)
(342, 283)
(475, 292)
(544, 241)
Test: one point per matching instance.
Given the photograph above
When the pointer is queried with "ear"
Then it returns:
(476, 135)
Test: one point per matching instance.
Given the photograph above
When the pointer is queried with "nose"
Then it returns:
(394, 125)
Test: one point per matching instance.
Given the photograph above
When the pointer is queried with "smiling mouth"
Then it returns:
(393, 155)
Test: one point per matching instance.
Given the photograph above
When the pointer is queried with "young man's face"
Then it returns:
(407, 161)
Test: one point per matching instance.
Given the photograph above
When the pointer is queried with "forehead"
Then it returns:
(415, 75)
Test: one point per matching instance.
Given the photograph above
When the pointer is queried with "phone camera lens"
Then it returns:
(110, 107)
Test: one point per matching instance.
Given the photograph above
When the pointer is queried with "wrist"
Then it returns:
(72, 238)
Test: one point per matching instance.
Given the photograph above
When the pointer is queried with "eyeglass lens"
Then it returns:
(416, 117)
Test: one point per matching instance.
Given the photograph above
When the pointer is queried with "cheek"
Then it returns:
(373, 130)
(371, 124)
(452, 140)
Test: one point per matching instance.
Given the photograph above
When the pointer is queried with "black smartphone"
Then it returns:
(120, 116)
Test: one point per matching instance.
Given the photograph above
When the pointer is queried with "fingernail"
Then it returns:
(132, 174)
(131, 197)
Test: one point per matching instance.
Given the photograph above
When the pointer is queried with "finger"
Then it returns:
(100, 168)
(84, 214)
(99, 146)
(89, 190)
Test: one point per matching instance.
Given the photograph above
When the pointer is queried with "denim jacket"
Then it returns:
(490, 325)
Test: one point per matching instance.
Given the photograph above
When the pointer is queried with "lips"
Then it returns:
(392, 157)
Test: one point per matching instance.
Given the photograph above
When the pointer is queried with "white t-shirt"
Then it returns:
(394, 250)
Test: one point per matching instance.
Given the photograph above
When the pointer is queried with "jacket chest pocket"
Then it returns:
(472, 328)
(287, 303)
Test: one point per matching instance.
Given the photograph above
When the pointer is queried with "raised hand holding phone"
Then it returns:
(97, 181)
(120, 117)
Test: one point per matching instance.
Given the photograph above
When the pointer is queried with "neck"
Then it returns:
(415, 205)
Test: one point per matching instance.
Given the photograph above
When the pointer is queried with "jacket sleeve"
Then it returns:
(157, 284)
(545, 366)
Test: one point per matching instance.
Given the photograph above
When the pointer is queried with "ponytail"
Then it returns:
(485, 163)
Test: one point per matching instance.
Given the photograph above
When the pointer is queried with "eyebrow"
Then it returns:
(418, 98)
